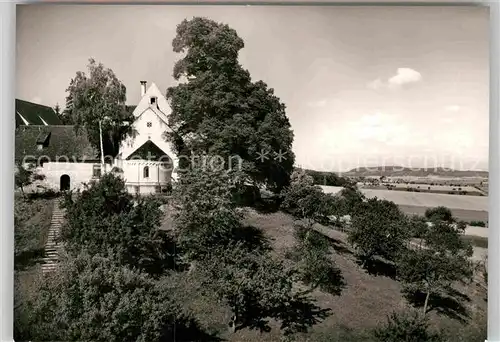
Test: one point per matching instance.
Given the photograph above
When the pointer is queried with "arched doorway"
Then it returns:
(65, 183)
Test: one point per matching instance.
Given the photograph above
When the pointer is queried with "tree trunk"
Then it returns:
(234, 321)
(426, 301)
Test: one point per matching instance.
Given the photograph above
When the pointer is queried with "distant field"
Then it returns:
(419, 199)
(462, 214)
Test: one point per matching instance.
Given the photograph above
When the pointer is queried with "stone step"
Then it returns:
(49, 262)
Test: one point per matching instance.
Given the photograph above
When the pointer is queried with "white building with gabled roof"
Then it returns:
(147, 160)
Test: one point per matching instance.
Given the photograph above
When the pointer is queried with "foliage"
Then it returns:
(99, 96)
(406, 327)
(206, 218)
(417, 226)
(257, 287)
(442, 260)
(439, 214)
(351, 198)
(327, 178)
(378, 229)
(25, 175)
(314, 264)
(478, 223)
(304, 200)
(218, 110)
(92, 299)
(105, 219)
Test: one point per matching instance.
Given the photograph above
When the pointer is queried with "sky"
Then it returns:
(363, 86)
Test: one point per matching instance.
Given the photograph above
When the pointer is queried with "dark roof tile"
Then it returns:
(35, 114)
(60, 142)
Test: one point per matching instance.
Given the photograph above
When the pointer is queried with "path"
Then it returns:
(51, 246)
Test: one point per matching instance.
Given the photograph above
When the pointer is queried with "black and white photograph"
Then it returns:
(251, 173)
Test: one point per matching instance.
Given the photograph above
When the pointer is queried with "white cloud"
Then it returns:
(403, 76)
(453, 108)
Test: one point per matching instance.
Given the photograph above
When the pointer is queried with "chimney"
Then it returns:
(143, 88)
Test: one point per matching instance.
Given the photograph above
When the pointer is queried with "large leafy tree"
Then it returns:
(432, 267)
(99, 97)
(378, 229)
(257, 287)
(218, 110)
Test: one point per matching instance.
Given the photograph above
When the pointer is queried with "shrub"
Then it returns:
(478, 223)
(105, 219)
(90, 298)
(439, 214)
(407, 327)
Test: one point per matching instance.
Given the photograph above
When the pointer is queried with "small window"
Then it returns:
(39, 147)
(149, 124)
(96, 171)
(145, 172)
(152, 100)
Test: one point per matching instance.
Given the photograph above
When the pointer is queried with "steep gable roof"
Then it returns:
(149, 151)
(57, 141)
(161, 102)
(29, 113)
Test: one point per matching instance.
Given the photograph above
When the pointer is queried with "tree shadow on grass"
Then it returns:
(28, 258)
(449, 304)
(378, 267)
(252, 238)
(299, 315)
(188, 330)
(339, 246)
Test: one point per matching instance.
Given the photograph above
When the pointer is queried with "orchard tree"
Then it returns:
(303, 199)
(441, 260)
(407, 327)
(315, 266)
(439, 214)
(378, 229)
(257, 287)
(25, 175)
(218, 110)
(99, 98)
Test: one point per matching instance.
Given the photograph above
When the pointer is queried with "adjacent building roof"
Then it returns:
(29, 113)
(54, 143)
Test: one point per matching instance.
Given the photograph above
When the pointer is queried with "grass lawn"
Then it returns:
(33, 219)
(364, 303)
(366, 299)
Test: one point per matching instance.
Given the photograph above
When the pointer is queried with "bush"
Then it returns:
(314, 264)
(478, 223)
(105, 219)
(90, 298)
(407, 327)
(439, 214)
